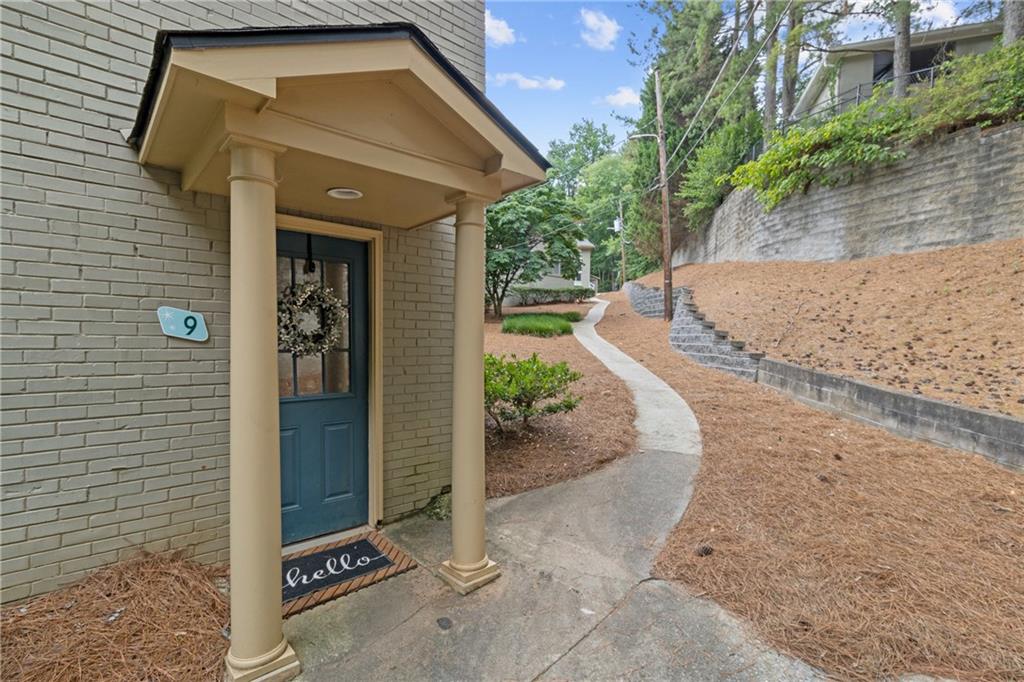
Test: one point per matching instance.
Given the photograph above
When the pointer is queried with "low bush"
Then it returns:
(707, 180)
(518, 390)
(539, 295)
(972, 90)
(537, 324)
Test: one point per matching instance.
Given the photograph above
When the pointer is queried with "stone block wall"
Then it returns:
(965, 188)
(995, 436)
(649, 302)
(114, 436)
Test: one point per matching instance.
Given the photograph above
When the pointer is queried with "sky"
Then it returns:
(551, 64)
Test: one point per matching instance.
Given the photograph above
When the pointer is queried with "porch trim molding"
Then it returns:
(375, 241)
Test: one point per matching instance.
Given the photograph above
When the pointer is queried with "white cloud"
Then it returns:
(497, 30)
(623, 96)
(599, 30)
(527, 83)
(938, 13)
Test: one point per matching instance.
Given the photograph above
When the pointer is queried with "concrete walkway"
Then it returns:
(575, 600)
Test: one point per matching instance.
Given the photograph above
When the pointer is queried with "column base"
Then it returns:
(465, 582)
(284, 667)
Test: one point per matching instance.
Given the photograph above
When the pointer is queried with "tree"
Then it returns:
(1013, 21)
(791, 59)
(604, 184)
(586, 144)
(527, 232)
(771, 68)
(900, 12)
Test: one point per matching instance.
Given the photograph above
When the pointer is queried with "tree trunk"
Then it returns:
(1013, 21)
(790, 61)
(736, 23)
(771, 68)
(901, 49)
(751, 24)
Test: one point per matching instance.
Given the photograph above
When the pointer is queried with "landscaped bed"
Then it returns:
(947, 324)
(562, 446)
(148, 618)
(862, 553)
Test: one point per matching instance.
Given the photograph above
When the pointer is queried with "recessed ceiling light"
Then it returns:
(344, 193)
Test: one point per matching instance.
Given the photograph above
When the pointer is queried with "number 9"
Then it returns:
(190, 324)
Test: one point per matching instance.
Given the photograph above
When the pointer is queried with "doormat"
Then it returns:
(319, 574)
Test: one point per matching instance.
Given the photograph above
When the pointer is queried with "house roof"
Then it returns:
(166, 41)
(920, 39)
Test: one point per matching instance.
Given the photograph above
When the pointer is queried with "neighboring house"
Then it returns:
(555, 278)
(196, 156)
(851, 71)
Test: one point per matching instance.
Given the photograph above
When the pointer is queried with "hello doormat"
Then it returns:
(319, 574)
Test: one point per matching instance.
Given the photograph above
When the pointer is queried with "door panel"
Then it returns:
(339, 471)
(323, 398)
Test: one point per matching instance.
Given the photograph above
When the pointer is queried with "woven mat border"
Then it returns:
(401, 562)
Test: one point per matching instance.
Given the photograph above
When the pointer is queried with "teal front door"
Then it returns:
(323, 397)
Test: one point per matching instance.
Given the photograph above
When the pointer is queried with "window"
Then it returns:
(327, 372)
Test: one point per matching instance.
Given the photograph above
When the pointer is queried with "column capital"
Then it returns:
(458, 198)
(235, 140)
(252, 160)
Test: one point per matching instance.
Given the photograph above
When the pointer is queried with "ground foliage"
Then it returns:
(519, 390)
(537, 324)
(972, 90)
(155, 617)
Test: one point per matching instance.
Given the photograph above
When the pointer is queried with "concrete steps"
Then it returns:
(695, 336)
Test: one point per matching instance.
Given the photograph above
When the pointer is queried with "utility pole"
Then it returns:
(622, 244)
(666, 234)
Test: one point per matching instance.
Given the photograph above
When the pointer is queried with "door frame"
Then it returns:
(375, 279)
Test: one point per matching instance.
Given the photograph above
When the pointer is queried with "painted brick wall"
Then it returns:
(964, 189)
(114, 436)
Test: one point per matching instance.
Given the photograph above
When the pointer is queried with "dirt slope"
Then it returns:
(862, 553)
(947, 324)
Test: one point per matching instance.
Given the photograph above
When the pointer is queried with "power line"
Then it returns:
(718, 77)
(739, 81)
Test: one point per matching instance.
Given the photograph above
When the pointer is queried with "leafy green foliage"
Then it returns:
(542, 295)
(604, 184)
(981, 90)
(518, 390)
(528, 232)
(707, 181)
(536, 324)
(586, 144)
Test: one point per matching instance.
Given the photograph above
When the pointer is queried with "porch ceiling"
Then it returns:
(378, 109)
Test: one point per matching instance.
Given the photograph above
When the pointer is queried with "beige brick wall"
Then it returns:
(114, 436)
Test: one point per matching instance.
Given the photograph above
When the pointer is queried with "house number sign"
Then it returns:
(182, 324)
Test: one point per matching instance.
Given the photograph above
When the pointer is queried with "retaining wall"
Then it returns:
(999, 438)
(994, 436)
(964, 189)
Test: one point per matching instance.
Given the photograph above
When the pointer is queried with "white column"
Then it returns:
(469, 567)
(258, 647)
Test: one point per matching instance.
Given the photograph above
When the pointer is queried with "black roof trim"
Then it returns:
(291, 35)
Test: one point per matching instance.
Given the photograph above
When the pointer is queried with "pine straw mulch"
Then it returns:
(862, 553)
(563, 446)
(154, 617)
(947, 323)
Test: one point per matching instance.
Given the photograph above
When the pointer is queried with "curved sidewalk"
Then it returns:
(575, 599)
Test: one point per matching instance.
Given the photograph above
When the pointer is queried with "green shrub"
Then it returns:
(707, 179)
(540, 296)
(972, 90)
(518, 390)
(572, 315)
(536, 324)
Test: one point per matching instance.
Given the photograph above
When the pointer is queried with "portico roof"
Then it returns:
(375, 108)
